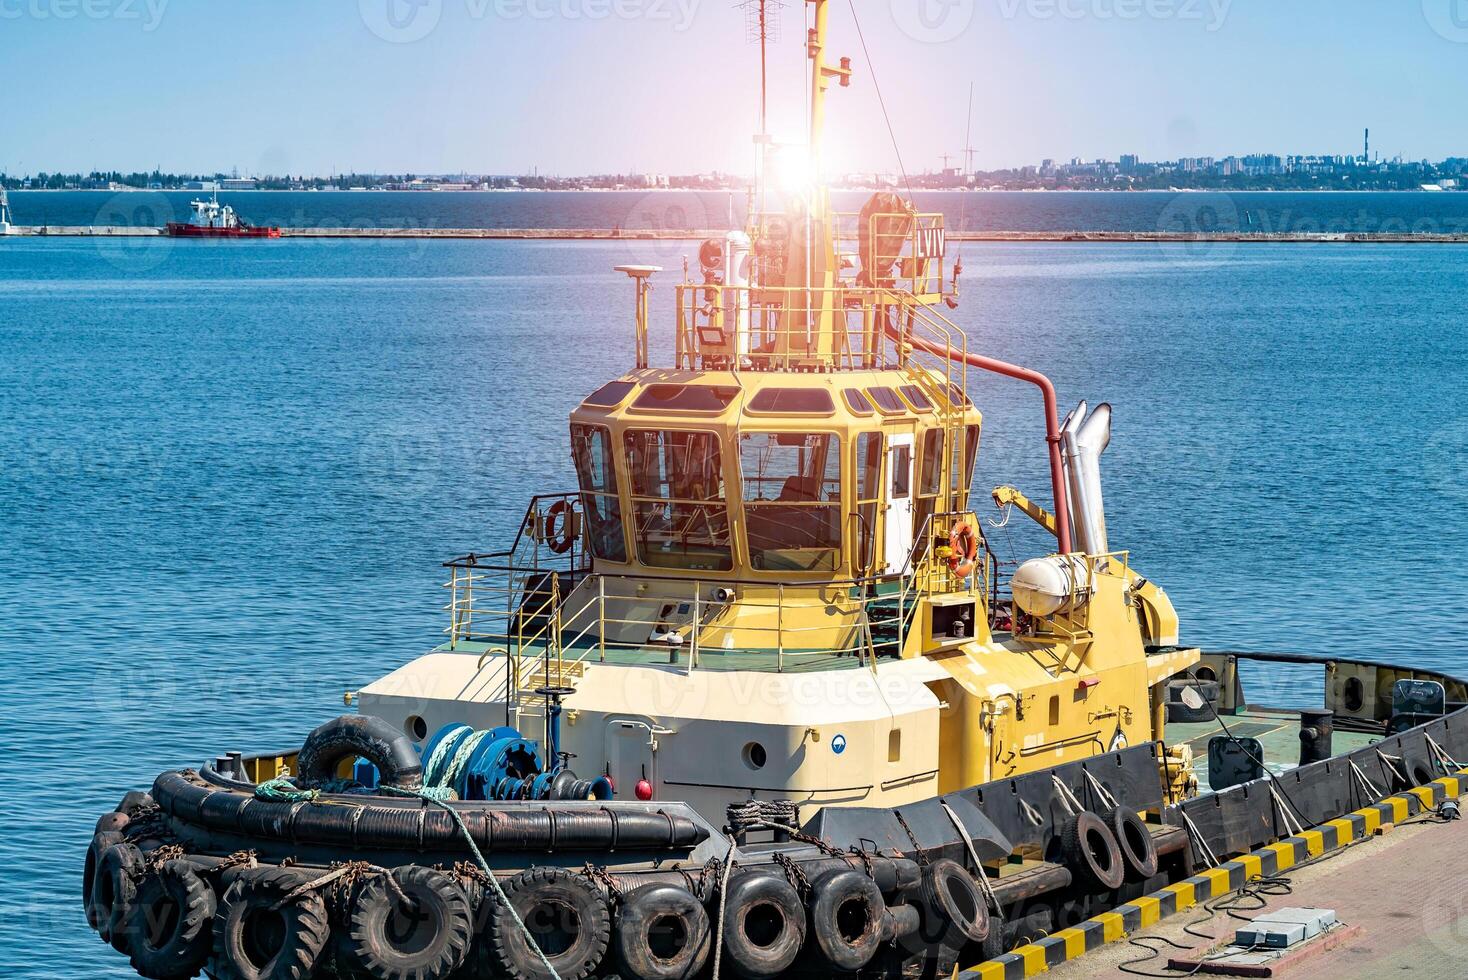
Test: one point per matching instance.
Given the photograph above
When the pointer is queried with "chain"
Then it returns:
(597, 874)
(240, 859)
(922, 858)
(794, 873)
(163, 855)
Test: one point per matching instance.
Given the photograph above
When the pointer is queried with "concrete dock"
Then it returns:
(1403, 890)
(605, 234)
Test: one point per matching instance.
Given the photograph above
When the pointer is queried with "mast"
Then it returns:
(820, 80)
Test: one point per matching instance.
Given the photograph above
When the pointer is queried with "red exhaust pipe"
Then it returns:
(1052, 418)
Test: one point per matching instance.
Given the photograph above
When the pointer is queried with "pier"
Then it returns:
(614, 234)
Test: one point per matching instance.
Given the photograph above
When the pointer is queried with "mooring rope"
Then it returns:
(723, 895)
(1376, 794)
(436, 796)
(1199, 839)
(1102, 793)
(1448, 763)
(984, 884)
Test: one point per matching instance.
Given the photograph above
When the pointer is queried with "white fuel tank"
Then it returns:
(1045, 586)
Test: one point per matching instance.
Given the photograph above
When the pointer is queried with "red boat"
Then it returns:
(214, 220)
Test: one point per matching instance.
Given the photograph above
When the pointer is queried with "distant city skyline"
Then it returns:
(634, 86)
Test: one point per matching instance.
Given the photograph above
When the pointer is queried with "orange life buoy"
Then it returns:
(560, 536)
(963, 547)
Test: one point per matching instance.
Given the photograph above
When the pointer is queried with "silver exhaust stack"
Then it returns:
(1083, 439)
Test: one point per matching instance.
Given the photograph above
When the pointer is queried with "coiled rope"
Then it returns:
(437, 796)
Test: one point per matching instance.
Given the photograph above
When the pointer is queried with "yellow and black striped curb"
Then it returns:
(1108, 927)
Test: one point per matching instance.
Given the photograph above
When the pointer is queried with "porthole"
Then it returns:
(1355, 694)
(1205, 673)
(755, 756)
(416, 728)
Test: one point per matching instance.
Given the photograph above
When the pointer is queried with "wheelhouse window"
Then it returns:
(868, 491)
(591, 450)
(680, 517)
(792, 500)
(930, 478)
(963, 455)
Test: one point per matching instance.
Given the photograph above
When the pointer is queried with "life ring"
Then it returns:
(171, 923)
(386, 942)
(777, 909)
(570, 919)
(260, 935)
(846, 917)
(662, 933)
(963, 547)
(560, 536)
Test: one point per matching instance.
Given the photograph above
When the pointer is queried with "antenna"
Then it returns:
(762, 27)
(968, 143)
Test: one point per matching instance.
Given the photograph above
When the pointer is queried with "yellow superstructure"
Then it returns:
(771, 580)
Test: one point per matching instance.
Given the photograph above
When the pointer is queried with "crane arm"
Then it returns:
(1005, 496)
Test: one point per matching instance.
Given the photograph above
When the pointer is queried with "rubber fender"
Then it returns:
(1090, 851)
(300, 925)
(764, 925)
(101, 842)
(114, 821)
(334, 825)
(362, 736)
(662, 933)
(1138, 849)
(1419, 770)
(570, 918)
(171, 926)
(134, 801)
(426, 941)
(846, 917)
(114, 890)
(956, 899)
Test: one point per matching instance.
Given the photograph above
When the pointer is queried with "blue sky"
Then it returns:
(578, 86)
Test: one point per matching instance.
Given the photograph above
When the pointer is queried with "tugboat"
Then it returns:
(214, 220)
(758, 698)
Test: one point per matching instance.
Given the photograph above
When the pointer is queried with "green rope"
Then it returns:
(434, 766)
(455, 768)
(428, 794)
(282, 790)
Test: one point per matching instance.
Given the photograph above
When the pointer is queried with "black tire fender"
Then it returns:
(112, 821)
(1090, 851)
(1138, 849)
(662, 933)
(846, 918)
(171, 926)
(363, 736)
(100, 843)
(952, 892)
(114, 891)
(134, 801)
(247, 911)
(764, 925)
(424, 942)
(565, 913)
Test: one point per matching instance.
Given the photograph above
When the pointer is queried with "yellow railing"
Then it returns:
(550, 635)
